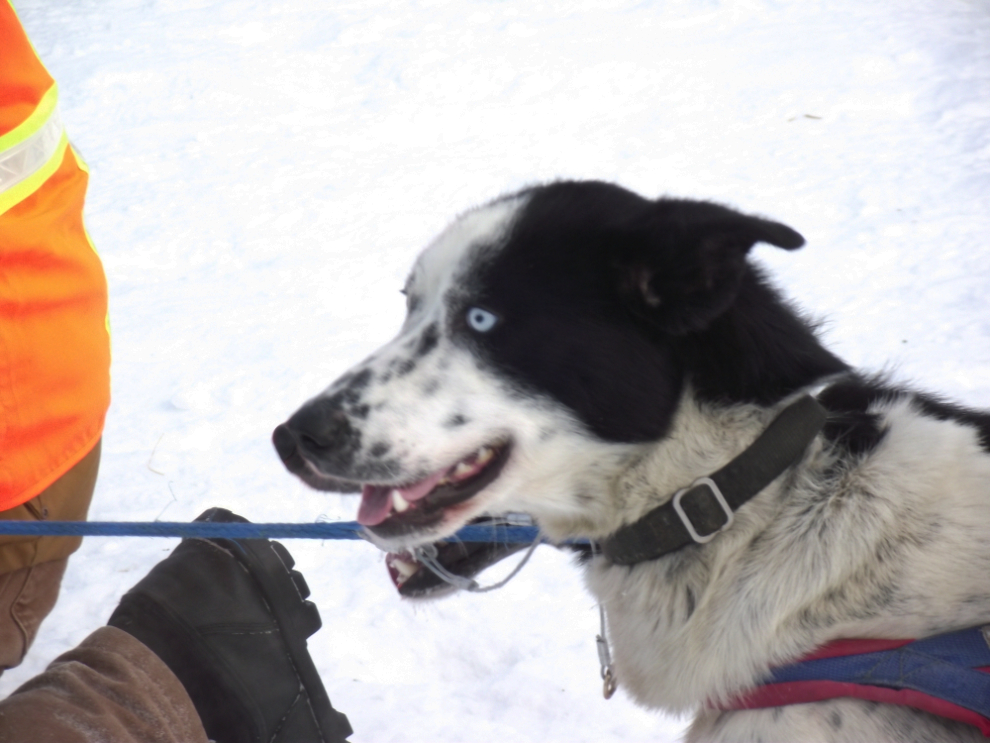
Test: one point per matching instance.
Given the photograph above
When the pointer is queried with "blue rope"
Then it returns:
(235, 530)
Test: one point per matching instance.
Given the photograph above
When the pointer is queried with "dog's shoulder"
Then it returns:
(859, 410)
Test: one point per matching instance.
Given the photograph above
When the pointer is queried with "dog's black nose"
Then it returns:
(318, 428)
(307, 449)
(287, 449)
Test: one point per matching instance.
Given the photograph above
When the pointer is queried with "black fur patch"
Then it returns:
(360, 380)
(455, 421)
(428, 340)
(349, 400)
(758, 351)
(573, 326)
(850, 425)
(380, 449)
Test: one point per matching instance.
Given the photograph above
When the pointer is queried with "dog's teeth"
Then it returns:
(463, 469)
(484, 454)
(399, 503)
(403, 568)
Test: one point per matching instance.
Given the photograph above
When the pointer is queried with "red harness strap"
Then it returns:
(879, 671)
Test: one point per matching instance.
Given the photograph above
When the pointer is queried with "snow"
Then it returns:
(264, 173)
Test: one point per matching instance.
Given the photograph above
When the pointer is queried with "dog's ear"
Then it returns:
(686, 261)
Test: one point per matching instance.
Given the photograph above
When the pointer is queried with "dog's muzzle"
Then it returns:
(318, 433)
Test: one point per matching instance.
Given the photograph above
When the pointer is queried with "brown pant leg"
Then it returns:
(31, 568)
(110, 689)
(26, 597)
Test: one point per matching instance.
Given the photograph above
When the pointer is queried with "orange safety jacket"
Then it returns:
(54, 332)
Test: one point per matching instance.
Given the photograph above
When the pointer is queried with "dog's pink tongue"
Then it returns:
(376, 500)
(376, 504)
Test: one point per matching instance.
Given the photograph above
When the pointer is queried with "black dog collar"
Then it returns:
(700, 511)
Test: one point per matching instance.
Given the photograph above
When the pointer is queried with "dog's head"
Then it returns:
(544, 345)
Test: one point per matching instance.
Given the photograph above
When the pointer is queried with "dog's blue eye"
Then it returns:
(481, 320)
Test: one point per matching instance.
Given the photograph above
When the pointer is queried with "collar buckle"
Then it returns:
(679, 520)
(699, 486)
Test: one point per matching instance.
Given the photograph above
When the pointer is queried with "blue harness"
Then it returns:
(947, 675)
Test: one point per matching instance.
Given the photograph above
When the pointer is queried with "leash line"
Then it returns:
(501, 533)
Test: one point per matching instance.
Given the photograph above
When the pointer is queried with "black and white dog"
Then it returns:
(581, 354)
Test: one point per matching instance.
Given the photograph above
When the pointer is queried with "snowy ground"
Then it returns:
(263, 174)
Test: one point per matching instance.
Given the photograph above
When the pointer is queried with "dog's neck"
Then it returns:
(703, 438)
(674, 590)
(697, 513)
(631, 480)
(799, 566)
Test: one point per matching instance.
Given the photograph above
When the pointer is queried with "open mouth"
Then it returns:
(396, 510)
(462, 559)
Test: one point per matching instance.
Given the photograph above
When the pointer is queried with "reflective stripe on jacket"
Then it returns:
(54, 335)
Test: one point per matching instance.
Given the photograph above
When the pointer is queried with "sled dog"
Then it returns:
(619, 368)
